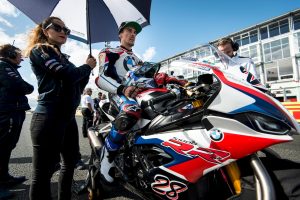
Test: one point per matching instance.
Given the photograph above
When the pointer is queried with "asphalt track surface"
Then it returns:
(20, 164)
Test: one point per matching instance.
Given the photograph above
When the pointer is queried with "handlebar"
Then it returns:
(169, 95)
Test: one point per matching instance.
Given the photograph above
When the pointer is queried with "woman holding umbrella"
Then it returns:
(53, 124)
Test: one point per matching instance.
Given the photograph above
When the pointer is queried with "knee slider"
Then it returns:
(124, 122)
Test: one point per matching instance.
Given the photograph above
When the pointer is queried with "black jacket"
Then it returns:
(12, 88)
(60, 83)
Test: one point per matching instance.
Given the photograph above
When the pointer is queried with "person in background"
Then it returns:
(87, 110)
(103, 100)
(228, 47)
(13, 104)
(97, 114)
(53, 125)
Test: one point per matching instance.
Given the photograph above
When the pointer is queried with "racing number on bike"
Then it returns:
(164, 186)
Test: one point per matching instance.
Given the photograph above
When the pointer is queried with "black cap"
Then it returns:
(133, 24)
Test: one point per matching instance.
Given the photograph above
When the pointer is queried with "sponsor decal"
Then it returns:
(189, 149)
(129, 62)
(202, 66)
(216, 135)
(250, 78)
(133, 108)
(166, 187)
(188, 107)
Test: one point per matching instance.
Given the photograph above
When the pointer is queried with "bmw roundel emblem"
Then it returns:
(216, 135)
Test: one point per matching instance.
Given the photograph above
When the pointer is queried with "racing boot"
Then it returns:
(107, 165)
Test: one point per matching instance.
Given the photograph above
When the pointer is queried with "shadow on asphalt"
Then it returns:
(21, 192)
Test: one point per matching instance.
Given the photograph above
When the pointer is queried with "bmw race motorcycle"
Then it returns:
(192, 141)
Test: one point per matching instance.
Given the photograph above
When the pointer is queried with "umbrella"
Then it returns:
(90, 21)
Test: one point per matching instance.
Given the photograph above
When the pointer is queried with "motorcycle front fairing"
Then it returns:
(238, 96)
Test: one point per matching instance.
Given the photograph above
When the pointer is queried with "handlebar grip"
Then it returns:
(169, 95)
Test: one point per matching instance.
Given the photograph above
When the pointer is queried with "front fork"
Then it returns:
(263, 183)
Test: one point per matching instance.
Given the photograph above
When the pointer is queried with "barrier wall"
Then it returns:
(294, 108)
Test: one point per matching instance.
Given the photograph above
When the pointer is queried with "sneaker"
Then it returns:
(107, 165)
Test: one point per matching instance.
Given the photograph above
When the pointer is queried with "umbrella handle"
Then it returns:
(91, 56)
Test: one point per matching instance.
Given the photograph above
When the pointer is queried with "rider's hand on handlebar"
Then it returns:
(132, 91)
(189, 84)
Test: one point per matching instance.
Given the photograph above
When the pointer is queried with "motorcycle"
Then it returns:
(192, 141)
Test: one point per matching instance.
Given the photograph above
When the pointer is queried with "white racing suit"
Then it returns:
(114, 64)
(247, 63)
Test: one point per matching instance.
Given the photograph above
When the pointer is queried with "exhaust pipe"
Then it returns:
(96, 140)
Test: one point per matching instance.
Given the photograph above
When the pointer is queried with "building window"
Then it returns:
(237, 39)
(284, 26)
(279, 70)
(264, 33)
(245, 39)
(267, 52)
(188, 55)
(296, 22)
(203, 52)
(285, 48)
(278, 28)
(277, 49)
(285, 69)
(253, 36)
(274, 29)
(250, 51)
(244, 52)
(253, 53)
(271, 72)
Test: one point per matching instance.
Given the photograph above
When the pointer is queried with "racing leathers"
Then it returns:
(247, 63)
(114, 64)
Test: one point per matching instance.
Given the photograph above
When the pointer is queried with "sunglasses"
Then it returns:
(58, 28)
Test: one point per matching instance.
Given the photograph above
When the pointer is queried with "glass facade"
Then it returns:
(296, 20)
(279, 70)
(249, 51)
(277, 49)
(203, 52)
(269, 45)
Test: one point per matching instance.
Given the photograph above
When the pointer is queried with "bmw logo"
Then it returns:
(216, 135)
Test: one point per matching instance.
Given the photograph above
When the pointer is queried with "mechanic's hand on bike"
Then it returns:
(132, 91)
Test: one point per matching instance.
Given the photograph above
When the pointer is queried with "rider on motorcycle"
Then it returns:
(114, 64)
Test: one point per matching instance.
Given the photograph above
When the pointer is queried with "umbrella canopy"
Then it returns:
(90, 21)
